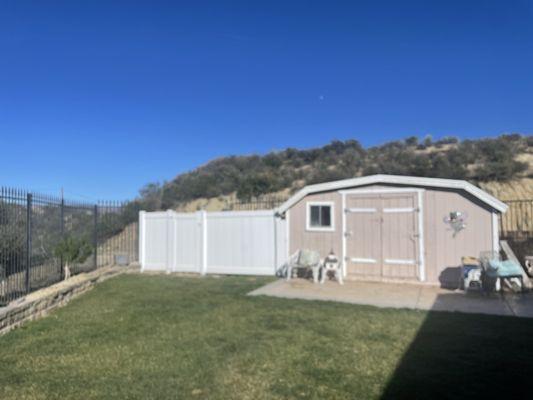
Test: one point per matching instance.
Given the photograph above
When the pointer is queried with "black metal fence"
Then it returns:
(33, 227)
(267, 202)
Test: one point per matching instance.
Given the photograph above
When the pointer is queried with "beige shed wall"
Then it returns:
(301, 238)
(443, 252)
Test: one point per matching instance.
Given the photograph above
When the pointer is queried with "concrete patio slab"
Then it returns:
(400, 295)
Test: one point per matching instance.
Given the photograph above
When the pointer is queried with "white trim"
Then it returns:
(399, 210)
(308, 226)
(398, 261)
(363, 260)
(421, 238)
(398, 180)
(495, 233)
(344, 235)
(360, 209)
(380, 190)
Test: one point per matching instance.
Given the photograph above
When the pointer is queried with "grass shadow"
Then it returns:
(457, 356)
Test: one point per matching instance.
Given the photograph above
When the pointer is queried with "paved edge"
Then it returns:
(506, 306)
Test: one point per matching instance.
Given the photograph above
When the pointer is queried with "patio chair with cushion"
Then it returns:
(502, 271)
(304, 259)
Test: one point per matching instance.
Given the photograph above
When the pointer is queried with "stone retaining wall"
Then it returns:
(40, 303)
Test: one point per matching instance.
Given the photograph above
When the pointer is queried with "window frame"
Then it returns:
(331, 206)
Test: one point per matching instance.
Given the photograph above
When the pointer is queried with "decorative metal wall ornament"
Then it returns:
(456, 220)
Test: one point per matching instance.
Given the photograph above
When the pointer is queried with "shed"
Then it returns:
(387, 227)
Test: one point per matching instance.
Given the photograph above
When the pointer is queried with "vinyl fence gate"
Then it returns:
(227, 242)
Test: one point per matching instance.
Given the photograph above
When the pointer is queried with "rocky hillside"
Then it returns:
(502, 165)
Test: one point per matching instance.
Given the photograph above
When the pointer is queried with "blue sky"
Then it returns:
(101, 97)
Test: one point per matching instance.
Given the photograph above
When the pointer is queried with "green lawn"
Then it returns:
(168, 337)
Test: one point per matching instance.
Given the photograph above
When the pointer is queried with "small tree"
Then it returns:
(72, 250)
(411, 141)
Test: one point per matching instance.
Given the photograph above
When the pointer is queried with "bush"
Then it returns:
(447, 140)
(500, 170)
(72, 250)
(411, 141)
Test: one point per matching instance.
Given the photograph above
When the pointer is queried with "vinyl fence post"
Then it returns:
(28, 239)
(204, 242)
(170, 241)
(95, 236)
(275, 242)
(142, 217)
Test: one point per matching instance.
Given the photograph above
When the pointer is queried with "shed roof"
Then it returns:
(399, 180)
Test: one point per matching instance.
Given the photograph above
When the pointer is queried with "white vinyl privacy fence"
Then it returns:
(230, 242)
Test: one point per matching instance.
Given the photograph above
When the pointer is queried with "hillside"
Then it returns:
(502, 165)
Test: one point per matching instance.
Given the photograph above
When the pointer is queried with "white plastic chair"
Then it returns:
(308, 259)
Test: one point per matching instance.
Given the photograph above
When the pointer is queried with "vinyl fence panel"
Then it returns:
(241, 242)
(153, 248)
(234, 242)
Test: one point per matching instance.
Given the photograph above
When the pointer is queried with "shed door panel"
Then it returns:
(399, 236)
(382, 238)
(363, 236)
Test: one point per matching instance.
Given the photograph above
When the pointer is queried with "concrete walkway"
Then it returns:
(399, 295)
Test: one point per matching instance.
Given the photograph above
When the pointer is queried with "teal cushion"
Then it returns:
(504, 268)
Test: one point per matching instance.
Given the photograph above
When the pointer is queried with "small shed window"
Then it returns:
(320, 216)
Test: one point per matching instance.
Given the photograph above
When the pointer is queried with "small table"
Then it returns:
(499, 279)
(500, 276)
(330, 265)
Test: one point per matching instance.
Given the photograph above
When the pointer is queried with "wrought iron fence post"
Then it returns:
(28, 240)
(95, 238)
